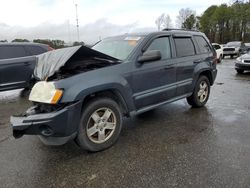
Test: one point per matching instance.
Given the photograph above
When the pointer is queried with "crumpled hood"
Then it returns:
(50, 62)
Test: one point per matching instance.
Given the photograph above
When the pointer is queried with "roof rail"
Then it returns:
(171, 29)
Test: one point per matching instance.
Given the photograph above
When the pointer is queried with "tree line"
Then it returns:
(56, 44)
(221, 23)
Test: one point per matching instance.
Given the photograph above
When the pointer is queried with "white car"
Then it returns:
(219, 51)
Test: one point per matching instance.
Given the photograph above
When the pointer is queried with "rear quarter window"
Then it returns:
(202, 44)
(184, 46)
(8, 52)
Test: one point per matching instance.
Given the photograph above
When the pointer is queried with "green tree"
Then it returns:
(221, 17)
(52, 43)
(190, 22)
(78, 43)
(207, 24)
(20, 40)
(183, 15)
(227, 23)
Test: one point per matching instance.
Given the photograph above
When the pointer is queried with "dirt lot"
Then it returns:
(172, 146)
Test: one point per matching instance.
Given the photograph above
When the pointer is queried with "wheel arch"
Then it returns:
(111, 93)
(208, 74)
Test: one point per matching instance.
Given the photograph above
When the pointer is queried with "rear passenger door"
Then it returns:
(186, 60)
(154, 82)
(14, 72)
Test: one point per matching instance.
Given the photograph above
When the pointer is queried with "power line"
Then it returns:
(77, 25)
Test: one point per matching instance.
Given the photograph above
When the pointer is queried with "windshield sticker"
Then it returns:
(132, 42)
(132, 38)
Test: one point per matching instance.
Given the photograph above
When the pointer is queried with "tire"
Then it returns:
(25, 92)
(223, 56)
(195, 100)
(93, 134)
(231, 56)
(240, 71)
(220, 59)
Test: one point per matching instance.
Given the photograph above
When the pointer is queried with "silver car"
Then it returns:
(243, 63)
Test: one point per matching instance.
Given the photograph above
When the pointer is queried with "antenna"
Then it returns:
(77, 25)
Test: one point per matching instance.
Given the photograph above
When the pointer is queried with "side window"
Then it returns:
(35, 50)
(202, 44)
(184, 46)
(8, 52)
(163, 45)
(217, 47)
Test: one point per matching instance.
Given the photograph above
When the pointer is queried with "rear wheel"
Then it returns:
(240, 71)
(100, 125)
(201, 93)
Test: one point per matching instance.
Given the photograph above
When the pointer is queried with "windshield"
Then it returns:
(216, 46)
(234, 44)
(118, 47)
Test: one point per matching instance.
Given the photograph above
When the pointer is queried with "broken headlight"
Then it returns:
(45, 92)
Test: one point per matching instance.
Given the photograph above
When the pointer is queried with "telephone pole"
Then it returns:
(77, 25)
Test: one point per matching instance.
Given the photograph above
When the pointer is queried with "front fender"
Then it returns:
(77, 88)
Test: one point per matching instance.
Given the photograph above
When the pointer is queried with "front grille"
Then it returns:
(246, 61)
(228, 49)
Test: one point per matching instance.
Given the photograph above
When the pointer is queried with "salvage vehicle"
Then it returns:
(85, 93)
(219, 51)
(243, 63)
(17, 63)
(235, 48)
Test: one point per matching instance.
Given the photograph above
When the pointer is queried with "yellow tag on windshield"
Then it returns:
(132, 42)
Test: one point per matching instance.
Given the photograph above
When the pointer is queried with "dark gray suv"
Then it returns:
(84, 93)
(17, 63)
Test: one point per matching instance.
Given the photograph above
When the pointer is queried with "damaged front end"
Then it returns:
(53, 123)
(66, 62)
(56, 123)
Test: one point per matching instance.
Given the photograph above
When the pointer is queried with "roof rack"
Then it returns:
(171, 29)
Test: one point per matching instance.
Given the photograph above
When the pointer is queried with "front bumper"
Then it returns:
(242, 66)
(230, 53)
(54, 128)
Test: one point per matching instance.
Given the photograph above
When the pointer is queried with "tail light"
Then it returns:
(50, 48)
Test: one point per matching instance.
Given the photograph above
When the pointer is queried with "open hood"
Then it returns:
(50, 62)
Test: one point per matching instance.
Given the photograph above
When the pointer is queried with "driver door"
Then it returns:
(154, 82)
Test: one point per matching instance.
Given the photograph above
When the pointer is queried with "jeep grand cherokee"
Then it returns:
(84, 93)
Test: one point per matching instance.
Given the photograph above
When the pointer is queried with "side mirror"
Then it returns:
(152, 55)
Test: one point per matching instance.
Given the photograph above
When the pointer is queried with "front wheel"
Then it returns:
(100, 125)
(201, 93)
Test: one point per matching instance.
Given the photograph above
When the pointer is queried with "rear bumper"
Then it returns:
(54, 128)
(241, 66)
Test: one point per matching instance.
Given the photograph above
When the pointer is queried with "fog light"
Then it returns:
(46, 131)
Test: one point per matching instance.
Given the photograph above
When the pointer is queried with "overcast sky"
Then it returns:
(56, 19)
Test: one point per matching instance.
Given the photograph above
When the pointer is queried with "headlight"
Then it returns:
(45, 92)
(240, 59)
